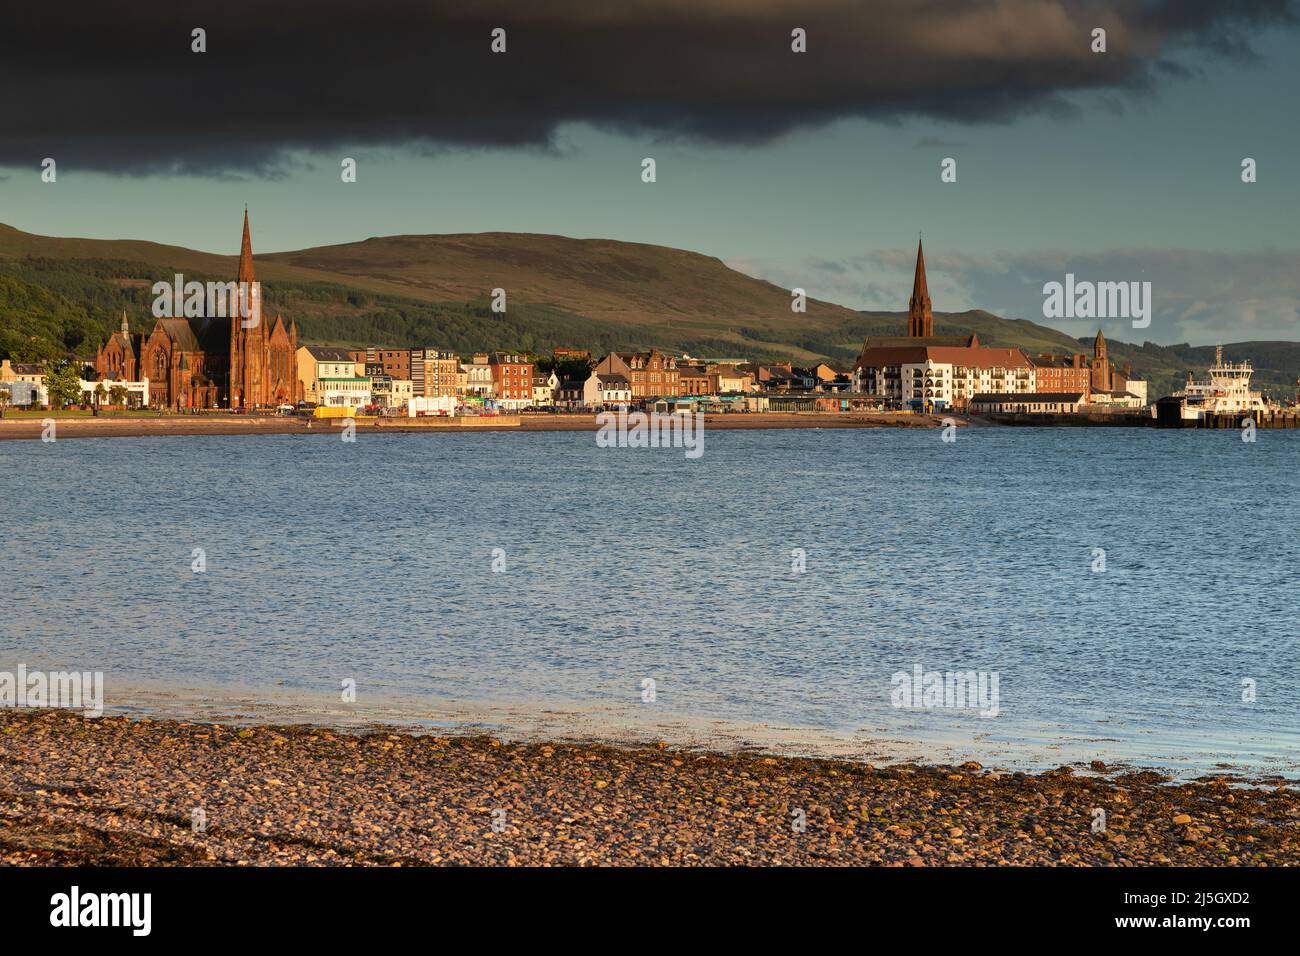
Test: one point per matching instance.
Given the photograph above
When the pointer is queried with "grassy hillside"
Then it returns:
(65, 296)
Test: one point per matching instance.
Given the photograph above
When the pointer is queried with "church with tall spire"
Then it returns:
(920, 318)
(211, 361)
(924, 371)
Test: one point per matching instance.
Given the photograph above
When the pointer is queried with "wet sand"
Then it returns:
(124, 427)
(118, 791)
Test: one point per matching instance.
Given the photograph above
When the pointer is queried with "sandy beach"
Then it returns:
(118, 791)
(113, 426)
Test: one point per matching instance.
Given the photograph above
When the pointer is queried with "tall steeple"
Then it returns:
(246, 255)
(126, 326)
(920, 320)
(1102, 380)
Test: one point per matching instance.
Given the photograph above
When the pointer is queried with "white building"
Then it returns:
(544, 388)
(137, 393)
(389, 392)
(24, 394)
(1119, 399)
(1035, 403)
(478, 378)
(351, 392)
(332, 377)
(937, 377)
(604, 389)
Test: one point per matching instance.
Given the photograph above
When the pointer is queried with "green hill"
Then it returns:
(65, 296)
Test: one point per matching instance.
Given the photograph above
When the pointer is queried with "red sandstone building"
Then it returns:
(1062, 374)
(395, 363)
(651, 374)
(240, 361)
(512, 380)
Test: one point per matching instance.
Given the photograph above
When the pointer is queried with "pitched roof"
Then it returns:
(182, 333)
(325, 353)
(1046, 360)
(893, 341)
(966, 357)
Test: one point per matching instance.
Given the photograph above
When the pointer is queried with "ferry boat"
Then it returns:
(1226, 392)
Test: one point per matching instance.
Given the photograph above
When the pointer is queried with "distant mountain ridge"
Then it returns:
(67, 294)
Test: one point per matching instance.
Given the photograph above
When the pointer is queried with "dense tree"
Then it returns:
(62, 383)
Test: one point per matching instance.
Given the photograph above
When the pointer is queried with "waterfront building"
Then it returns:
(24, 393)
(729, 379)
(924, 371)
(1062, 373)
(824, 373)
(395, 363)
(803, 379)
(569, 394)
(940, 377)
(1136, 387)
(1033, 403)
(119, 358)
(137, 393)
(512, 380)
(183, 361)
(434, 372)
(1100, 381)
(389, 392)
(693, 379)
(330, 377)
(650, 374)
(22, 372)
(544, 387)
(236, 361)
(1119, 398)
(606, 389)
(478, 383)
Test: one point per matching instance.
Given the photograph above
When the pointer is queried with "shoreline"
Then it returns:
(121, 791)
(107, 426)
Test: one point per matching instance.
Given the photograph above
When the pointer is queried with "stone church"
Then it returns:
(235, 361)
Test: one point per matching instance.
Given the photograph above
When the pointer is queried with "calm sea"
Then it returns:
(645, 594)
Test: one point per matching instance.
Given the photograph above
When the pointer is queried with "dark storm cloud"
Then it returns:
(119, 90)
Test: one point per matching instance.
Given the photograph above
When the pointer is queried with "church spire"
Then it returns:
(246, 255)
(920, 320)
(126, 326)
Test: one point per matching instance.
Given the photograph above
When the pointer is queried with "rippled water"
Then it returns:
(373, 561)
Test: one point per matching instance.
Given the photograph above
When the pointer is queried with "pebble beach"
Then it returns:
(125, 791)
